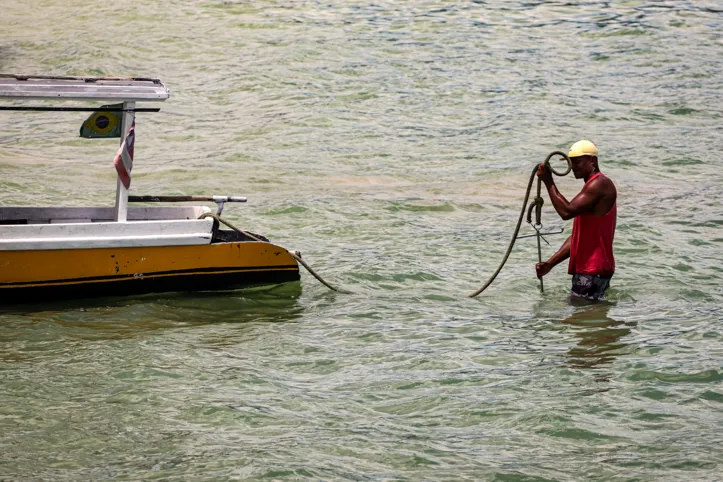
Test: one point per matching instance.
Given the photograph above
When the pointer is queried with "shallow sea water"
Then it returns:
(390, 142)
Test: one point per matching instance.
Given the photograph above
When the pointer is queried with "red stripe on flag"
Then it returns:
(123, 160)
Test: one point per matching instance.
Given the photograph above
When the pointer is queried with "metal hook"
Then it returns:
(541, 234)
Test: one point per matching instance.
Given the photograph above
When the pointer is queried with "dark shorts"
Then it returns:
(590, 286)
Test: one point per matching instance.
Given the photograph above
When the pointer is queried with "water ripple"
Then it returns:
(390, 142)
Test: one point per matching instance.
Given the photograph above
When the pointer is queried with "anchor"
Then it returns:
(536, 204)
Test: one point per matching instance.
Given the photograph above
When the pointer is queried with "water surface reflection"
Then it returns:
(138, 317)
(599, 335)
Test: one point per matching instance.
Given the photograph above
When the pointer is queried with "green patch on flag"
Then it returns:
(103, 124)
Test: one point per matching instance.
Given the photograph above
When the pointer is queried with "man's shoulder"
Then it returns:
(602, 181)
(608, 181)
(601, 186)
(606, 186)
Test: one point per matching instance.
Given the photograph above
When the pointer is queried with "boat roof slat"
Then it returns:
(25, 87)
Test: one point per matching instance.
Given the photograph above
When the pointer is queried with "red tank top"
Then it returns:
(591, 244)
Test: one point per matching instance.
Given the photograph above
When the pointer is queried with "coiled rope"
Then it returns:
(293, 255)
(537, 203)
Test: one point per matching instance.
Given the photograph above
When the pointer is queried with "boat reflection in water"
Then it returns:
(256, 303)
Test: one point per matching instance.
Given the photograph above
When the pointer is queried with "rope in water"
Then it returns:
(293, 255)
(537, 204)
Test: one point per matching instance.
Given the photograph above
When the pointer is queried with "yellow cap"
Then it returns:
(582, 148)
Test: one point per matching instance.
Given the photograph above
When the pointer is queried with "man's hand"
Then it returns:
(542, 268)
(544, 173)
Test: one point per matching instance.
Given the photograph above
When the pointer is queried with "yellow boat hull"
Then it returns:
(40, 275)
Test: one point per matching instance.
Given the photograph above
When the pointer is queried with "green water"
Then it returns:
(389, 142)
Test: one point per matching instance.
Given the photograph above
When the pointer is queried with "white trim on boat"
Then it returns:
(29, 87)
(121, 194)
(14, 237)
(47, 215)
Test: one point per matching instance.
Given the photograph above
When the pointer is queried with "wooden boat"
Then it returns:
(49, 253)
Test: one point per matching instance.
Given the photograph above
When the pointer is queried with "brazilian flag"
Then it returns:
(103, 123)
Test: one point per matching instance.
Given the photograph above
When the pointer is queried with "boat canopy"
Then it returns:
(126, 91)
(41, 87)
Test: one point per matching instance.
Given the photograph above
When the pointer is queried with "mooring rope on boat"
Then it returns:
(537, 203)
(293, 255)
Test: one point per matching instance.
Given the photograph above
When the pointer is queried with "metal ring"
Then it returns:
(564, 156)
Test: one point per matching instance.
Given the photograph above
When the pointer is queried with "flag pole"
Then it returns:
(121, 195)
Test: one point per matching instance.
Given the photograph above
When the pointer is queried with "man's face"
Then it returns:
(581, 166)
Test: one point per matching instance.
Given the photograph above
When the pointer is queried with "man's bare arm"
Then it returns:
(580, 204)
(562, 254)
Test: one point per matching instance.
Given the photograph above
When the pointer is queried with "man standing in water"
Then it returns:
(594, 209)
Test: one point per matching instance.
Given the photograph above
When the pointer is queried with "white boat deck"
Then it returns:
(33, 228)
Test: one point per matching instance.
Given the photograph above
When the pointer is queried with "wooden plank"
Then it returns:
(121, 195)
(104, 242)
(139, 213)
(82, 88)
(110, 234)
